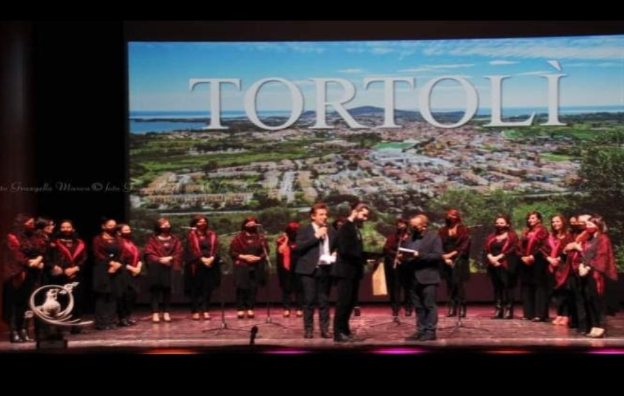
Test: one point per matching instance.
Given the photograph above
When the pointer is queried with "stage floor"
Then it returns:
(374, 327)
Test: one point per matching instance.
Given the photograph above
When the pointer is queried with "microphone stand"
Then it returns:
(223, 327)
(458, 323)
(269, 319)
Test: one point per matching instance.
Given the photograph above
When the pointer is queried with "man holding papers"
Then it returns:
(422, 253)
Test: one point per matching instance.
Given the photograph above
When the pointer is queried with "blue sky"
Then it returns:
(159, 72)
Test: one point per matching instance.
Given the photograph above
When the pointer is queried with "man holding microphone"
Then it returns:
(316, 247)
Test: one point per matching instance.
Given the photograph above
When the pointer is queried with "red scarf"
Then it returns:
(576, 257)
(68, 255)
(603, 262)
(130, 247)
(240, 245)
(15, 245)
(195, 242)
(286, 253)
(532, 240)
(197, 249)
(555, 249)
(492, 239)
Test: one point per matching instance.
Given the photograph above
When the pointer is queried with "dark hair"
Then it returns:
(42, 222)
(531, 213)
(564, 220)
(66, 221)
(120, 227)
(18, 222)
(338, 220)
(600, 223)
(247, 220)
(454, 212)
(58, 233)
(505, 217)
(195, 219)
(158, 225)
(358, 206)
(401, 220)
(291, 229)
(316, 207)
(105, 220)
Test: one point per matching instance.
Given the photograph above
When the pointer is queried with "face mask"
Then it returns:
(110, 232)
(501, 228)
(591, 230)
(251, 229)
(127, 236)
(165, 230)
(451, 222)
(67, 234)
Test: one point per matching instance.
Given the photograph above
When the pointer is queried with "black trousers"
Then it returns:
(396, 281)
(347, 290)
(503, 285)
(246, 298)
(124, 308)
(79, 299)
(158, 293)
(534, 300)
(590, 305)
(316, 288)
(424, 298)
(456, 287)
(201, 297)
(105, 309)
(15, 304)
(290, 288)
(564, 301)
(127, 303)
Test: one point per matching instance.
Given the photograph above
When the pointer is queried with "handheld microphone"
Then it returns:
(252, 337)
(324, 225)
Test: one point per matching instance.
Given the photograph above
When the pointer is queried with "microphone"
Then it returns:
(324, 225)
(252, 337)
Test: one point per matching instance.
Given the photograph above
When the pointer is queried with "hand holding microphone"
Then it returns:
(321, 233)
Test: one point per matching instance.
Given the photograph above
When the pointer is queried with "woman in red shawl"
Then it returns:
(202, 271)
(534, 269)
(559, 268)
(598, 264)
(249, 251)
(163, 255)
(131, 259)
(67, 265)
(286, 263)
(456, 270)
(26, 249)
(501, 250)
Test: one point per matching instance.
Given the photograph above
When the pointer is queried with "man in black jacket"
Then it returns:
(316, 247)
(349, 270)
(424, 259)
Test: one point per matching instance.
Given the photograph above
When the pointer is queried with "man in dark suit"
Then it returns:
(424, 263)
(316, 248)
(349, 270)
